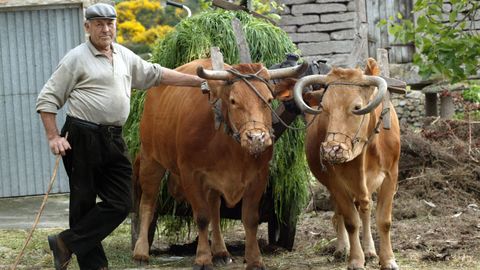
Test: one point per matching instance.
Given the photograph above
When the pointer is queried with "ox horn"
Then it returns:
(294, 71)
(382, 89)
(213, 74)
(298, 91)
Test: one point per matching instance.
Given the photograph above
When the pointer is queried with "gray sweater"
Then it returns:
(95, 89)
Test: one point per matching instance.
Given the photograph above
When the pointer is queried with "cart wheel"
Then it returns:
(281, 234)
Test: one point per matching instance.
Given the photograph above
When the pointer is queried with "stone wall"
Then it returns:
(321, 29)
(410, 108)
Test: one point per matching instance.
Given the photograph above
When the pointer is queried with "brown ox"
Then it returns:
(178, 134)
(347, 156)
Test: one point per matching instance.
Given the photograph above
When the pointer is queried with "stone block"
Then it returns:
(299, 20)
(343, 34)
(351, 6)
(334, 1)
(339, 60)
(318, 8)
(289, 28)
(325, 47)
(337, 17)
(286, 10)
(295, 2)
(326, 27)
(309, 37)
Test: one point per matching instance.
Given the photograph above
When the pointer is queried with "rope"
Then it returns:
(245, 78)
(40, 211)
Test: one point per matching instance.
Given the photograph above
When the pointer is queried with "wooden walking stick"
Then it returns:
(40, 211)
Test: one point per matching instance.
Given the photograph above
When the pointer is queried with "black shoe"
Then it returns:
(61, 254)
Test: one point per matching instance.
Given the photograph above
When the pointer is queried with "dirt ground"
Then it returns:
(436, 216)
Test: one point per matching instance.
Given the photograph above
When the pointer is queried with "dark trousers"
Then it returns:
(97, 166)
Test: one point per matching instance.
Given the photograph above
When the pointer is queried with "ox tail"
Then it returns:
(136, 189)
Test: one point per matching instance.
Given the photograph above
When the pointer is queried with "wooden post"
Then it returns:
(382, 60)
(447, 108)
(241, 41)
(217, 58)
(359, 52)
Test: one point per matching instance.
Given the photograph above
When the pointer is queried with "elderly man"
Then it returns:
(94, 80)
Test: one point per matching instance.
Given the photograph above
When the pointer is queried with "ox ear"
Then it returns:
(313, 98)
(284, 89)
(372, 67)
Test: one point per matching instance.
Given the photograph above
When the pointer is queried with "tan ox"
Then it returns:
(347, 156)
(178, 134)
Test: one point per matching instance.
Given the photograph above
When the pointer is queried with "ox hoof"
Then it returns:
(390, 266)
(256, 267)
(141, 262)
(202, 267)
(340, 255)
(356, 265)
(370, 257)
(219, 260)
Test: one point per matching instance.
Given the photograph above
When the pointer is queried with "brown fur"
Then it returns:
(351, 184)
(178, 134)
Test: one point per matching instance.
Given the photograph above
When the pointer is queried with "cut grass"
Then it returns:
(117, 248)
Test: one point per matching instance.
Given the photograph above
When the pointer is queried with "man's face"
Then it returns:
(102, 31)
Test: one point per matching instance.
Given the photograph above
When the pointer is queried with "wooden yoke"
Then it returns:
(393, 85)
(217, 64)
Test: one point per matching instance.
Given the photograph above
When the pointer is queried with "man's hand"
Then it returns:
(59, 145)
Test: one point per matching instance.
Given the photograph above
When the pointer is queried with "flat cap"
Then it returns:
(100, 11)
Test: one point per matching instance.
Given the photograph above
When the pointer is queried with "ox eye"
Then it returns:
(357, 107)
(232, 101)
(269, 100)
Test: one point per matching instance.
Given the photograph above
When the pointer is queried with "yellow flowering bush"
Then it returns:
(151, 35)
(139, 23)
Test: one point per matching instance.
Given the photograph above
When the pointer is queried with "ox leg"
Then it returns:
(150, 177)
(351, 219)
(221, 256)
(250, 218)
(197, 197)
(384, 221)
(343, 245)
(367, 240)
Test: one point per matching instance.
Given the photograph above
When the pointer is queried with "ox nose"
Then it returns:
(333, 152)
(256, 137)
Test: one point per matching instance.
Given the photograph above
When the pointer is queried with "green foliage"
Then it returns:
(288, 174)
(472, 94)
(447, 46)
(192, 39)
(194, 36)
(472, 116)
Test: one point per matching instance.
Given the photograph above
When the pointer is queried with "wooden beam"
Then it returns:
(229, 6)
(242, 44)
(217, 58)
(382, 60)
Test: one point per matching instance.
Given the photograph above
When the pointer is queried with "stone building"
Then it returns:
(345, 33)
